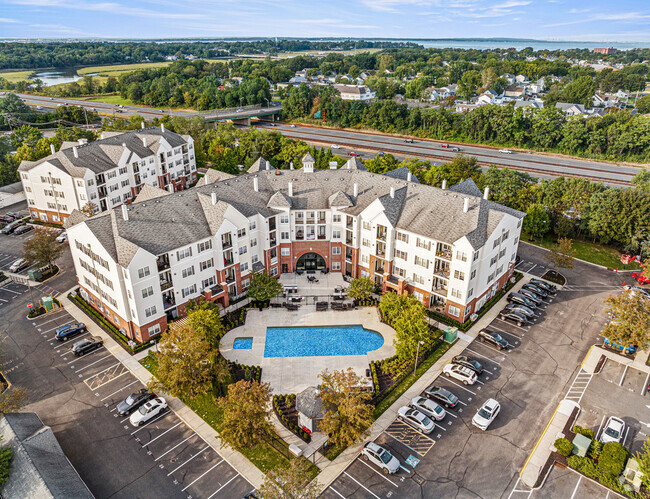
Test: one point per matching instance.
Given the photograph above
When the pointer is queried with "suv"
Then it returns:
(535, 298)
(521, 300)
(522, 309)
(493, 339)
(133, 401)
(18, 265)
(86, 345)
(461, 373)
(536, 289)
(470, 363)
(514, 316)
(22, 229)
(379, 456)
(64, 333)
(486, 414)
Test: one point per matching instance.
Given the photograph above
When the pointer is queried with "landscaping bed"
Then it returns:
(553, 276)
(240, 372)
(284, 407)
(50, 272)
(234, 319)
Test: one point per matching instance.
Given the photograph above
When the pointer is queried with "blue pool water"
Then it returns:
(320, 341)
(243, 343)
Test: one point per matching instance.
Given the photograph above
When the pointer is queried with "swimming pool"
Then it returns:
(319, 341)
(243, 343)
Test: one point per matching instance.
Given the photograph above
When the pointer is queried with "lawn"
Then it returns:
(111, 99)
(599, 254)
(119, 69)
(265, 457)
(16, 76)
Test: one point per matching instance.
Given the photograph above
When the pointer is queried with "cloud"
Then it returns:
(108, 7)
(631, 17)
(8, 21)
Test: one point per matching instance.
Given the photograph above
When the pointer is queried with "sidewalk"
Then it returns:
(240, 463)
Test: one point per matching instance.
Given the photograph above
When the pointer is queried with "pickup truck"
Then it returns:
(66, 332)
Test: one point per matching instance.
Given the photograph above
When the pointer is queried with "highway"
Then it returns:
(538, 165)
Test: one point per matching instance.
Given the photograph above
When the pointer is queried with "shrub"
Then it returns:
(612, 459)
(564, 447)
(583, 465)
(595, 449)
(584, 431)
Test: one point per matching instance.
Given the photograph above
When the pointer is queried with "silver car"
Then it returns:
(415, 419)
(428, 408)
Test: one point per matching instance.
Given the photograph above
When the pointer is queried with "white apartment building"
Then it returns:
(107, 172)
(140, 264)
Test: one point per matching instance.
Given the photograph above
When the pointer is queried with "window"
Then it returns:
(456, 293)
(402, 237)
(422, 262)
(143, 272)
(402, 255)
(472, 275)
(493, 260)
(336, 234)
(418, 278)
(505, 235)
(254, 259)
(461, 255)
(502, 252)
(421, 243)
(189, 271)
(146, 292)
(208, 283)
(124, 183)
(470, 292)
(453, 311)
(253, 242)
(364, 259)
(207, 264)
(336, 250)
(241, 232)
(153, 330)
(189, 290)
(367, 226)
(336, 218)
(496, 242)
(284, 219)
(284, 235)
(243, 267)
(476, 254)
(365, 242)
(123, 170)
(274, 271)
(243, 250)
(490, 278)
(113, 187)
(459, 275)
(364, 273)
(399, 272)
(499, 270)
(150, 311)
(184, 253)
(513, 257)
(519, 223)
(205, 245)
(285, 251)
(252, 225)
(516, 240)
(336, 265)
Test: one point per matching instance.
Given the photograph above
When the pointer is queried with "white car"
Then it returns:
(613, 430)
(505, 151)
(61, 238)
(379, 456)
(292, 126)
(461, 373)
(19, 264)
(336, 146)
(486, 414)
(428, 408)
(415, 419)
(148, 411)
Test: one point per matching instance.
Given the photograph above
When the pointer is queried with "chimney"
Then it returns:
(74, 151)
(409, 176)
(486, 193)
(392, 192)
(268, 165)
(356, 190)
(144, 141)
(214, 198)
(290, 189)
(142, 125)
(444, 183)
(466, 205)
(82, 141)
(52, 148)
(255, 184)
(125, 212)
(162, 127)
(291, 166)
(333, 165)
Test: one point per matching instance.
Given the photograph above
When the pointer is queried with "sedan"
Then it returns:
(613, 430)
(550, 288)
(292, 126)
(451, 148)
(148, 411)
(505, 151)
(536, 289)
(535, 298)
(521, 300)
(23, 229)
(511, 315)
(86, 345)
(335, 146)
(428, 408)
(415, 419)
(486, 414)
(133, 401)
(522, 309)
(467, 376)
(469, 362)
(493, 339)
(61, 238)
(18, 265)
(352, 153)
(442, 395)
(380, 457)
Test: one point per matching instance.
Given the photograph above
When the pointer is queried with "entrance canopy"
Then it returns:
(311, 261)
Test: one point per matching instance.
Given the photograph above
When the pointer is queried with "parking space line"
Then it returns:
(86, 367)
(405, 445)
(150, 422)
(361, 485)
(117, 391)
(380, 474)
(61, 342)
(600, 427)
(205, 473)
(645, 385)
(460, 386)
(504, 331)
(12, 291)
(577, 485)
(483, 356)
(510, 324)
(337, 492)
(627, 430)
(219, 489)
(180, 466)
(47, 322)
(531, 269)
(101, 372)
(623, 375)
(167, 431)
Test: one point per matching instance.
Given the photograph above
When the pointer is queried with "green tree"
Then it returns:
(361, 288)
(643, 104)
(263, 287)
(632, 322)
(89, 209)
(408, 317)
(245, 422)
(643, 458)
(641, 180)
(348, 415)
(460, 168)
(537, 222)
(611, 462)
(562, 254)
(6, 456)
(290, 482)
(43, 249)
(205, 320)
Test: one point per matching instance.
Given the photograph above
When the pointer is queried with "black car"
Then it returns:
(493, 339)
(133, 401)
(470, 363)
(522, 309)
(66, 332)
(536, 289)
(86, 345)
(511, 315)
(521, 300)
(8, 229)
(535, 298)
(543, 284)
(22, 229)
(442, 395)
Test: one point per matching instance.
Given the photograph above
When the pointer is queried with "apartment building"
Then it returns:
(140, 264)
(356, 92)
(106, 173)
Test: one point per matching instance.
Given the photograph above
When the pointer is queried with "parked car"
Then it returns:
(442, 395)
(428, 408)
(461, 373)
(61, 238)
(522, 309)
(521, 300)
(408, 141)
(7, 218)
(469, 362)
(64, 333)
(505, 151)
(335, 146)
(630, 349)
(514, 316)
(8, 229)
(640, 278)
(451, 148)
(292, 126)
(380, 457)
(534, 297)
(613, 430)
(148, 411)
(18, 265)
(550, 288)
(22, 229)
(415, 419)
(352, 153)
(133, 401)
(535, 289)
(493, 339)
(486, 414)
(86, 345)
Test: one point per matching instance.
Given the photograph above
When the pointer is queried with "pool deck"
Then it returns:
(294, 374)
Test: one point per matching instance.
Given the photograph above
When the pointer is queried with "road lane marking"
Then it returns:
(166, 431)
(205, 473)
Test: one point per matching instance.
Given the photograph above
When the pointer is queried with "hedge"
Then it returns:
(563, 446)
(584, 431)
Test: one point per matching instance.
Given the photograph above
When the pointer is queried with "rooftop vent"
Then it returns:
(466, 205)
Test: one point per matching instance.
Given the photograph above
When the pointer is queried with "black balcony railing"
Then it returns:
(228, 262)
(164, 285)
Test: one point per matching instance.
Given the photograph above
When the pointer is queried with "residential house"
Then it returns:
(356, 92)
(509, 77)
(522, 80)
(514, 91)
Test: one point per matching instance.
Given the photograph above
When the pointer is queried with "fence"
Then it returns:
(230, 110)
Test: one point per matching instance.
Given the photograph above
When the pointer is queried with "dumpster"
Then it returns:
(48, 303)
(451, 333)
(34, 275)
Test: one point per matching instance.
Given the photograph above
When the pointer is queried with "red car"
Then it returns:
(451, 148)
(352, 153)
(640, 278)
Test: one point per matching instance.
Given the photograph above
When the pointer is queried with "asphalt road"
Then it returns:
(538, 165)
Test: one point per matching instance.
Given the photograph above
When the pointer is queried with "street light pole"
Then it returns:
(416, 357)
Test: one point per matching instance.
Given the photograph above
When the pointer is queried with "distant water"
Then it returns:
(55, 77)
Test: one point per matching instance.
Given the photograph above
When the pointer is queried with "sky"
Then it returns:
(579, 20)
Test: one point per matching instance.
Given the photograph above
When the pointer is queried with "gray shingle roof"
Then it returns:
(402, 174)
(260, 165)
(309, 403)
(467, 186)
(149, 192)
(308, 158)
(211, 175)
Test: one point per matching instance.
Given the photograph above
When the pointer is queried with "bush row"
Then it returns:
(289, 401)
(375, 378)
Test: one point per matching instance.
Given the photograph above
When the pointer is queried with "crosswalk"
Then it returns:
(579, 386)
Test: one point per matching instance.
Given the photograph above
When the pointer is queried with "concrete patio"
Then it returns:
(323, 288)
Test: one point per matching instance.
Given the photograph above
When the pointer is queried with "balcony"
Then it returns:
(102, 192)
(136, 167)
(227, 262)
(348, 238)
(169, 300)
(443, 251)
(310, 220)
(273, 241)
(137, 179)
(348, 254)
(440, 290)
(441, 272)
(381, 252)
(349, 224)
(230, 278)
(321, 220)
(300, 235)
(100, 179)
(162, 262)
(166, 281)
(381, 233)
(226, 243)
